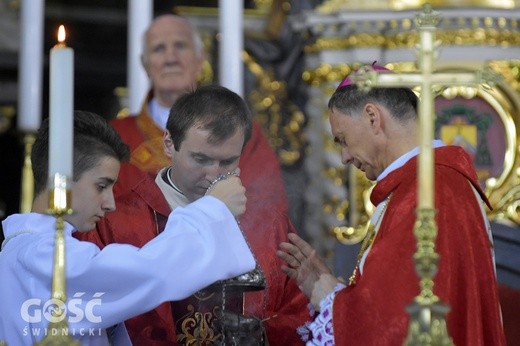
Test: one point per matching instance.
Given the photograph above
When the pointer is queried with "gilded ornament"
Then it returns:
(283, 125)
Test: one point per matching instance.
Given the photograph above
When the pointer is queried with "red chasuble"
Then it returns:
(372, 311)
(142, 212)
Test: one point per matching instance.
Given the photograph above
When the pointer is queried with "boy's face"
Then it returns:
(92, 194)
(198, 162)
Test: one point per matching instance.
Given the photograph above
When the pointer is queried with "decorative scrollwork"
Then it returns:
(282, 120)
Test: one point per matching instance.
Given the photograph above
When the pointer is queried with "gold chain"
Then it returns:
(256, 275)
(367, 242)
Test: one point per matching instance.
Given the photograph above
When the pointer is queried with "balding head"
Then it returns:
(175, 21)
(173, 56)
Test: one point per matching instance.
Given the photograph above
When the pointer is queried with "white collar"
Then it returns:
(173, 195)
(405, 158)
(158, 113)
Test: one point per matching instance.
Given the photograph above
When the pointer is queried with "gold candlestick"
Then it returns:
(59, 206)
(427, 312)
(27, 189)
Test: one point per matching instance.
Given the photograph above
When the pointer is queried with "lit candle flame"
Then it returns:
(61, 34)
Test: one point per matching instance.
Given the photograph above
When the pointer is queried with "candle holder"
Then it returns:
(59, 206)
(427, 313)
(27, 189)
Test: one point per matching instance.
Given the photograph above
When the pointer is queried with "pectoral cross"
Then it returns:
(427, 313)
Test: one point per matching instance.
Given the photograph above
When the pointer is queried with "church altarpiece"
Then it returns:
(484, 120)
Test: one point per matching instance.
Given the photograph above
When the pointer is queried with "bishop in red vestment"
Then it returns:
(377, 131)
(372, 311)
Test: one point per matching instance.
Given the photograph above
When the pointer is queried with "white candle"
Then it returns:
(231, 68)
(140, 14)
(30, 66)
(61, 108)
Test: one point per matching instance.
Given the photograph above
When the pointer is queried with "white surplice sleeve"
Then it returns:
(201, 244)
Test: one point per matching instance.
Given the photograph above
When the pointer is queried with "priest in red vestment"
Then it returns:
(377, 132)
(204, 139)
(173, 57)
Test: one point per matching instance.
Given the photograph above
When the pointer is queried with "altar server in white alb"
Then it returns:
(106, 287)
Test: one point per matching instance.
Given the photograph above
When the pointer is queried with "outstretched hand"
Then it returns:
(311, 273)
(232, 193)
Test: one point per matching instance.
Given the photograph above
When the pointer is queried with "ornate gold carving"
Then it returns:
(397, 33)
(358, 207)
(326, 73)
(282, 120)
(510, 70)
(27, 189)
(508, 207)
(332, 6)
(503, 190)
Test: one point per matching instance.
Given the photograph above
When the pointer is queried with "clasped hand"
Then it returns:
(232, 193)
(311, 273)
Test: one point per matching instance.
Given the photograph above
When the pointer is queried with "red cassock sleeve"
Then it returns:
(266, 223)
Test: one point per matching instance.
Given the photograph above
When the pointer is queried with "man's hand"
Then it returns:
(311, 273)
(232, 193)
